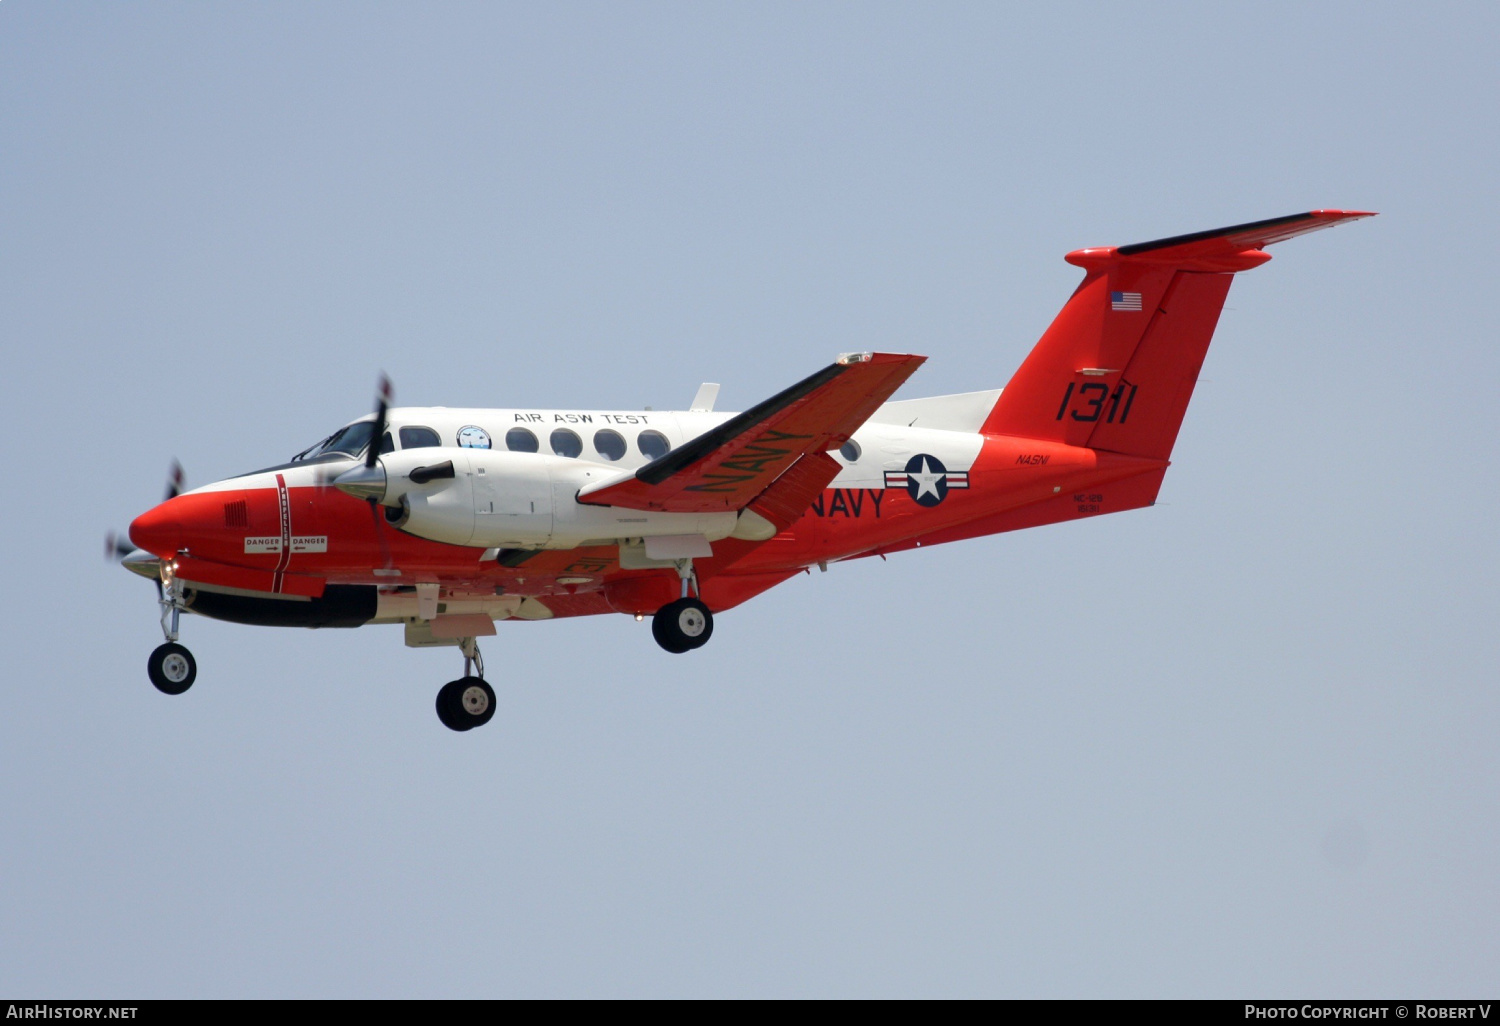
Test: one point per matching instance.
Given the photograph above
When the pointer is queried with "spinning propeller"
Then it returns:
(118, 548)
(382, 405)
(174, 481)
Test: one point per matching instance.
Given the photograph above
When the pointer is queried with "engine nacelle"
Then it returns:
(520, 500)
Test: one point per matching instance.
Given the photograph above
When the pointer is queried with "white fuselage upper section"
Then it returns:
(517, 472)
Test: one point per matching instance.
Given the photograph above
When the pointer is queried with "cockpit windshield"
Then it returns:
(351, 441)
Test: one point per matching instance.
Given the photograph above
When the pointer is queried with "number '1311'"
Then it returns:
(1090, 401)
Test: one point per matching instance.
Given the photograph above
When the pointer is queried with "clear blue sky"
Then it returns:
(1242, 743)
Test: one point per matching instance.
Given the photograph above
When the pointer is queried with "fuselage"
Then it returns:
(505, 535)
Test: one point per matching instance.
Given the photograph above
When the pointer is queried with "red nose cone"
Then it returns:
(158, 531)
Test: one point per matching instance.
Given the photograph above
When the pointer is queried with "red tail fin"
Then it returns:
(1117, 367)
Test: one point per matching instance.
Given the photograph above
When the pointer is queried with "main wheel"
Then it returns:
(465, 703)
(172, 669)
(682, 625)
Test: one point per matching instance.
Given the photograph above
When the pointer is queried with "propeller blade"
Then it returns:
(174, 481)
(382, 403)
(324, 477)
(116, 548)
(383, 397)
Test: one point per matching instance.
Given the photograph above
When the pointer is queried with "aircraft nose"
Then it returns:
(158, 531)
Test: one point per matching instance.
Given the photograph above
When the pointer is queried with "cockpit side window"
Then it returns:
(419, 438)
(386, 445)
(351, 441)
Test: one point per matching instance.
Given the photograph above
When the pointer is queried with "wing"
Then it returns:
(727, 467)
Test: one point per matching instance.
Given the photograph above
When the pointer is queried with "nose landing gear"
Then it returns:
(468, 702)
(171, 667)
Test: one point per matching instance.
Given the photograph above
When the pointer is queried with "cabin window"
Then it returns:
(419, 438)
(653, 444)
(567, 443)
(850, 450)
(519, 439)
(609, 444)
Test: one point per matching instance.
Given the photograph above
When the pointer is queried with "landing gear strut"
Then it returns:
(468, 702)
(684, 624)
(171, 667)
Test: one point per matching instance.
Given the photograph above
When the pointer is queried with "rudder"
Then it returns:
(1147, 400)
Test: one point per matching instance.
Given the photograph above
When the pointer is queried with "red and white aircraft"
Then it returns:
(447, 520)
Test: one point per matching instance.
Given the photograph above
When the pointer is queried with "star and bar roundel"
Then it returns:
(926, 480)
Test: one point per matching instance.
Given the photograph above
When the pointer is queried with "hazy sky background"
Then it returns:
(1243, 743)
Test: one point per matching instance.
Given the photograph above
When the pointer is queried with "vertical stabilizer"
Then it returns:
(1117, 367)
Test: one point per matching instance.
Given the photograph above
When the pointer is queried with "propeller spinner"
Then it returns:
(118, 549)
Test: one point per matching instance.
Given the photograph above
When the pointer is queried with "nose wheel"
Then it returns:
(172, 668)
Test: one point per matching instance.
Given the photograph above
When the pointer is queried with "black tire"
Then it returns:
(172, 669)
(682, 626)
(447, 707)
(661, 630)
(466, 703)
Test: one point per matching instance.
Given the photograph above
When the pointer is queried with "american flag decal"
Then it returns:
(1126, 301)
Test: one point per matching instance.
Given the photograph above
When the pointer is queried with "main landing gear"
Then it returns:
(468, 702)
(685, 623)
(171, 667)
